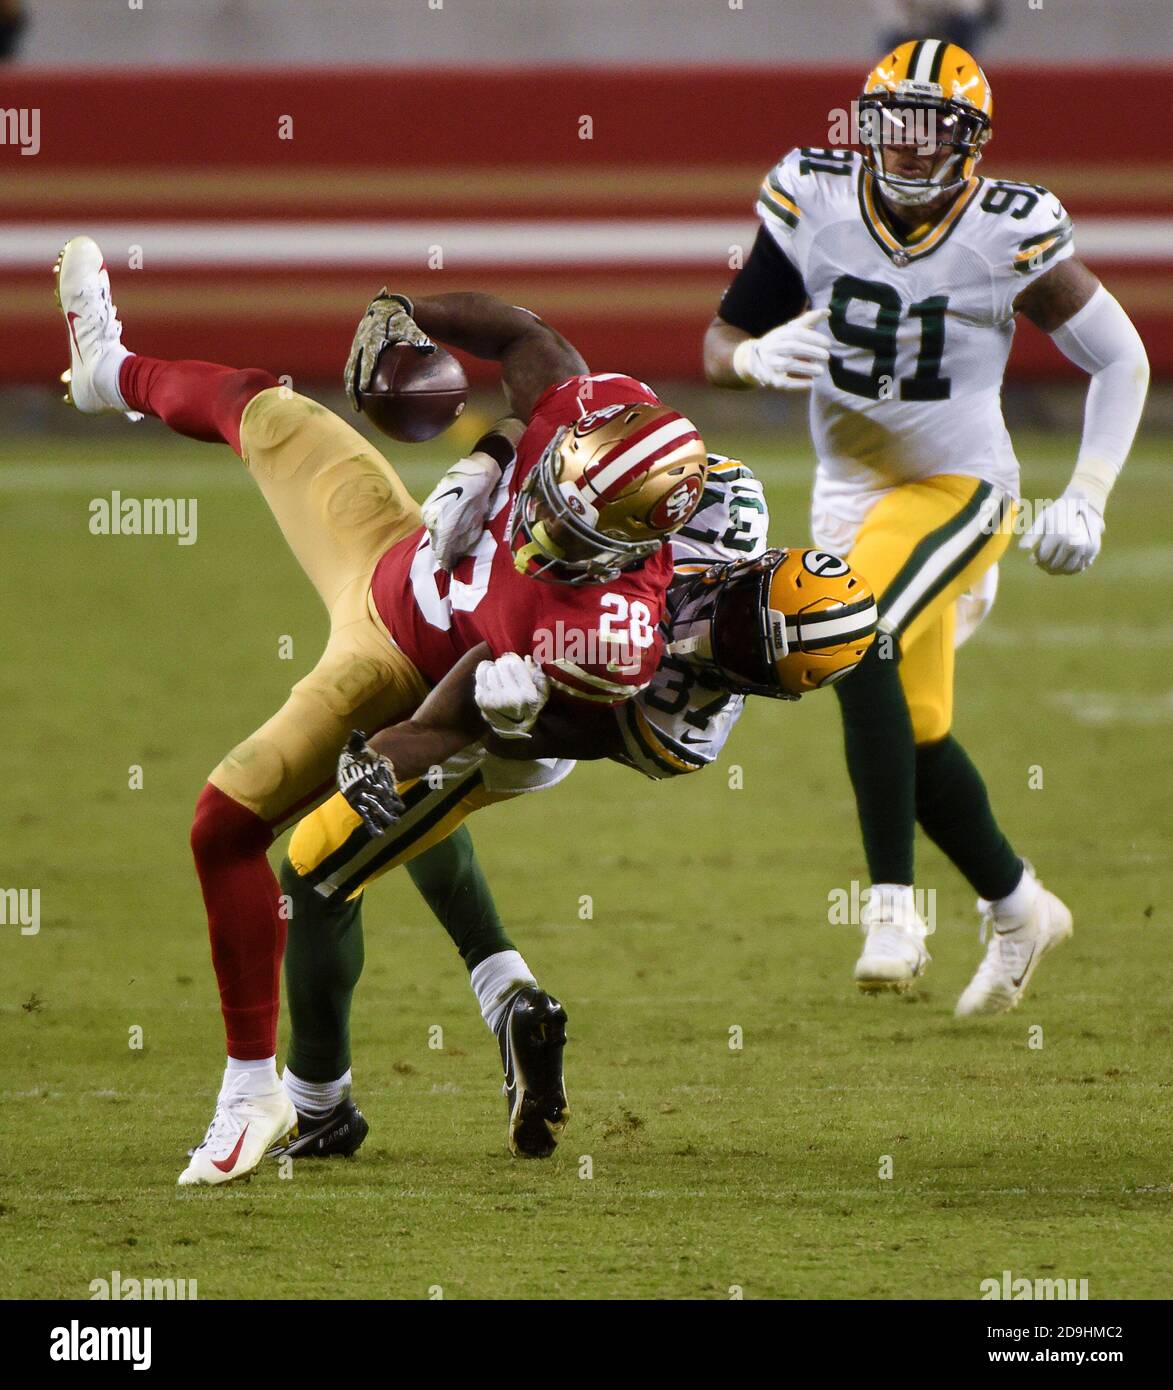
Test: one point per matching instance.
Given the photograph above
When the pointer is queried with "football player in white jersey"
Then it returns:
(887, 283)
(741, 620)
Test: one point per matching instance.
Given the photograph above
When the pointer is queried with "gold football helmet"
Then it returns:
(784, 623)
(606, 492)
(930, 97)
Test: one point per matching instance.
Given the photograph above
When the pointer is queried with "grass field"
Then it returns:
(712, 1168)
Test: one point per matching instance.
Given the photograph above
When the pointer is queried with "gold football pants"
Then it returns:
(340, 506)
(920, 548)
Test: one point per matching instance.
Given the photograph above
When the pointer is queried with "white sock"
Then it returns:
(252, 1078)
(1019, 903)
(316, 1098)
(106, 371)
(896, 900)
(496, 980)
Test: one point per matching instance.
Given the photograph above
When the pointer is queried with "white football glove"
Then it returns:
(788, 357)
(510, 693)
(1065, 538)
(455, 509)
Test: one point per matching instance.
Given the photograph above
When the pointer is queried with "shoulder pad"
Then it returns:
(1032, 226)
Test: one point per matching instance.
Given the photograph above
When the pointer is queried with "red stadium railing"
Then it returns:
(607, 200)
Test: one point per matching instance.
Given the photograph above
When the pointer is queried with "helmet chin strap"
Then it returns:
(914, 192)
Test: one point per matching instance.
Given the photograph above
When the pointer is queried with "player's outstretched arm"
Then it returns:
(1088, 326)
(533, 356)
(582, 734)
(447, 721)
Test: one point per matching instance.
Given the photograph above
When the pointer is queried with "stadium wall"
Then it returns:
(606, 199)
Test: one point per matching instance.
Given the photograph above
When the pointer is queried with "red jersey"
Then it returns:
(596, 642)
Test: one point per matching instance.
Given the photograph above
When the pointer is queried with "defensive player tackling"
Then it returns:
(604, 471)
(739, 620)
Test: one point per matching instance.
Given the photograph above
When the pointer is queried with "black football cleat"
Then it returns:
(532, 1036)
(336, 1135)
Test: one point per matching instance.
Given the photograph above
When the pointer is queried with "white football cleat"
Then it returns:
(1018, 941)
(894, 952)
(243, 1129)
(96, 353)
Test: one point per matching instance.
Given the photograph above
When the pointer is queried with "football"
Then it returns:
(414, 395)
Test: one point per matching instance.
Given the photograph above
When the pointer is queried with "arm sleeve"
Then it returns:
(766, 291)
(1102, 340)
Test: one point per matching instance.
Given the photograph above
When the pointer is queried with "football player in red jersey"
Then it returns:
(587, 512)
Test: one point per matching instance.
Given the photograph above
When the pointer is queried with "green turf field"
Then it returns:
(712, 1169)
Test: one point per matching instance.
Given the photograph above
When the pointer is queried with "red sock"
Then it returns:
(199, 399)
(246, 929)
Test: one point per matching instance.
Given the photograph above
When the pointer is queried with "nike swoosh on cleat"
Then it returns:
(1018, 983)
(69, 318)
(510, 1073)
(452, 492)
(226, 1165)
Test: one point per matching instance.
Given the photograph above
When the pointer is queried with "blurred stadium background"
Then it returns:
(439, 143)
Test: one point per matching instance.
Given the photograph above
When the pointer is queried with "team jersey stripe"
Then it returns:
(1038, 250)
(580, 693)
(730, 470)
(577, 672)
(776, 200)
(585, 685)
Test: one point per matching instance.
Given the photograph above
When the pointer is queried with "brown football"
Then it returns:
(414, 395)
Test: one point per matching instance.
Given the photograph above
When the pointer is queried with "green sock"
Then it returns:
(324, 950)
(953, 807)
(881, 760)
(454, 887)
(323, 960)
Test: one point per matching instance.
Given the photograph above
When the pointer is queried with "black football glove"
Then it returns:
(367, 780)
(387, 321)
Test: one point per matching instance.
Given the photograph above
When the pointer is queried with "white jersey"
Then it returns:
(679, 722)
(920, 329)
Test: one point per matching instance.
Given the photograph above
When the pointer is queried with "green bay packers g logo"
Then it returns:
(822, 563)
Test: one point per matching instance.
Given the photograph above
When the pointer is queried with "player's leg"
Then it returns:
(1022, 918)
(333, 857)
(340, 506)
(952, 804)
(323, 962)
(338, 502)
(263, 784)
(919, 547)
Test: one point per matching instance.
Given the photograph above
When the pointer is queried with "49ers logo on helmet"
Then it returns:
(677, 506)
